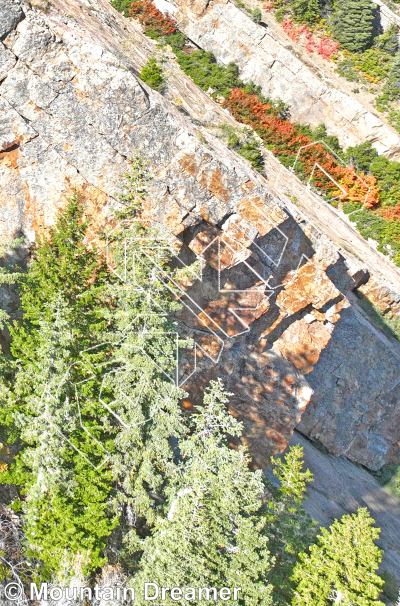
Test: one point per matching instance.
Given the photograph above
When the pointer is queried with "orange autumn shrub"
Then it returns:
(360, 188)
(151, 18)
(295, 149)
(390, 213)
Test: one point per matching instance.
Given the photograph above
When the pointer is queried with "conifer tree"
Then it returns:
(52, 400)
(391, 88)
(305, 11)
(289, 527)
(341, 567)
(145, 344)
(62, 266)
(353, 24)
(95, 400)
(212, 535)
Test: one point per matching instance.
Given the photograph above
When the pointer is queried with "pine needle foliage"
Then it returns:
(340, 567)
(289, 527)
(353, 24)
(212, 535)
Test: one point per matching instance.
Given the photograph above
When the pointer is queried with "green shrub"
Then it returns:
(176, 40)
(361, 156)
(388, 41)
(279, 14)
(320, 134)
(346, 69)
(375, 62)
(152, 73)
(244, 143)
(204, 70)
(305, 11)
(256, 15)
(389, 477)
(122, 6)
(351, 207)
(386, 233)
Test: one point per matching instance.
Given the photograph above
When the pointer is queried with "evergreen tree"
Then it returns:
(95, 399)
(305, 11)
(256, 15)
(52, 402)
(388, 41)
(289, 527)
(9, 271)
(361, 156)
(341, 567)
(152, 73)
(62, 266)
(212, 535)
(353, 24)
(391, 88)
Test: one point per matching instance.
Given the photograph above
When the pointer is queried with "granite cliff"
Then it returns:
(275, 312)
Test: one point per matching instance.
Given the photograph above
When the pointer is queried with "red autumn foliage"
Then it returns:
(294, 148)
(324, 46)
(390, 213)
(327, 47)
(291, 30)
(151, 18)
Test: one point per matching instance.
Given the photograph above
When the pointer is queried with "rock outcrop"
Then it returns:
(272, 312)
(219, 26)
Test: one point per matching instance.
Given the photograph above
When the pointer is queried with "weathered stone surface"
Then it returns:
(303, 342)
(11, 13)
(386, 300)
(219, 26)
(13, 130)
(355, 408)
(274, 290)
(308, 285)
(7, 61)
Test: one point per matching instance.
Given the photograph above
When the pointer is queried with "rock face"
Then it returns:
(219, 26)
(273, 303)
(364, 382)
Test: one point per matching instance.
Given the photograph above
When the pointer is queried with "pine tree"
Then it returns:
(391, 88)
(144, 387)
(305, 11)
(289, 527)
(62, 266)
(212, 535)
(341, 567)
(52, 400)
(353, 24)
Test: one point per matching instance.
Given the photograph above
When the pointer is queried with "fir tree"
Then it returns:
(289, 527)
(341, 567)
(353, 24)
(62, 266)
(212, 535)
(305, 11)
(52, 402)
(391, 88)
(145, 395)
(152, 73)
